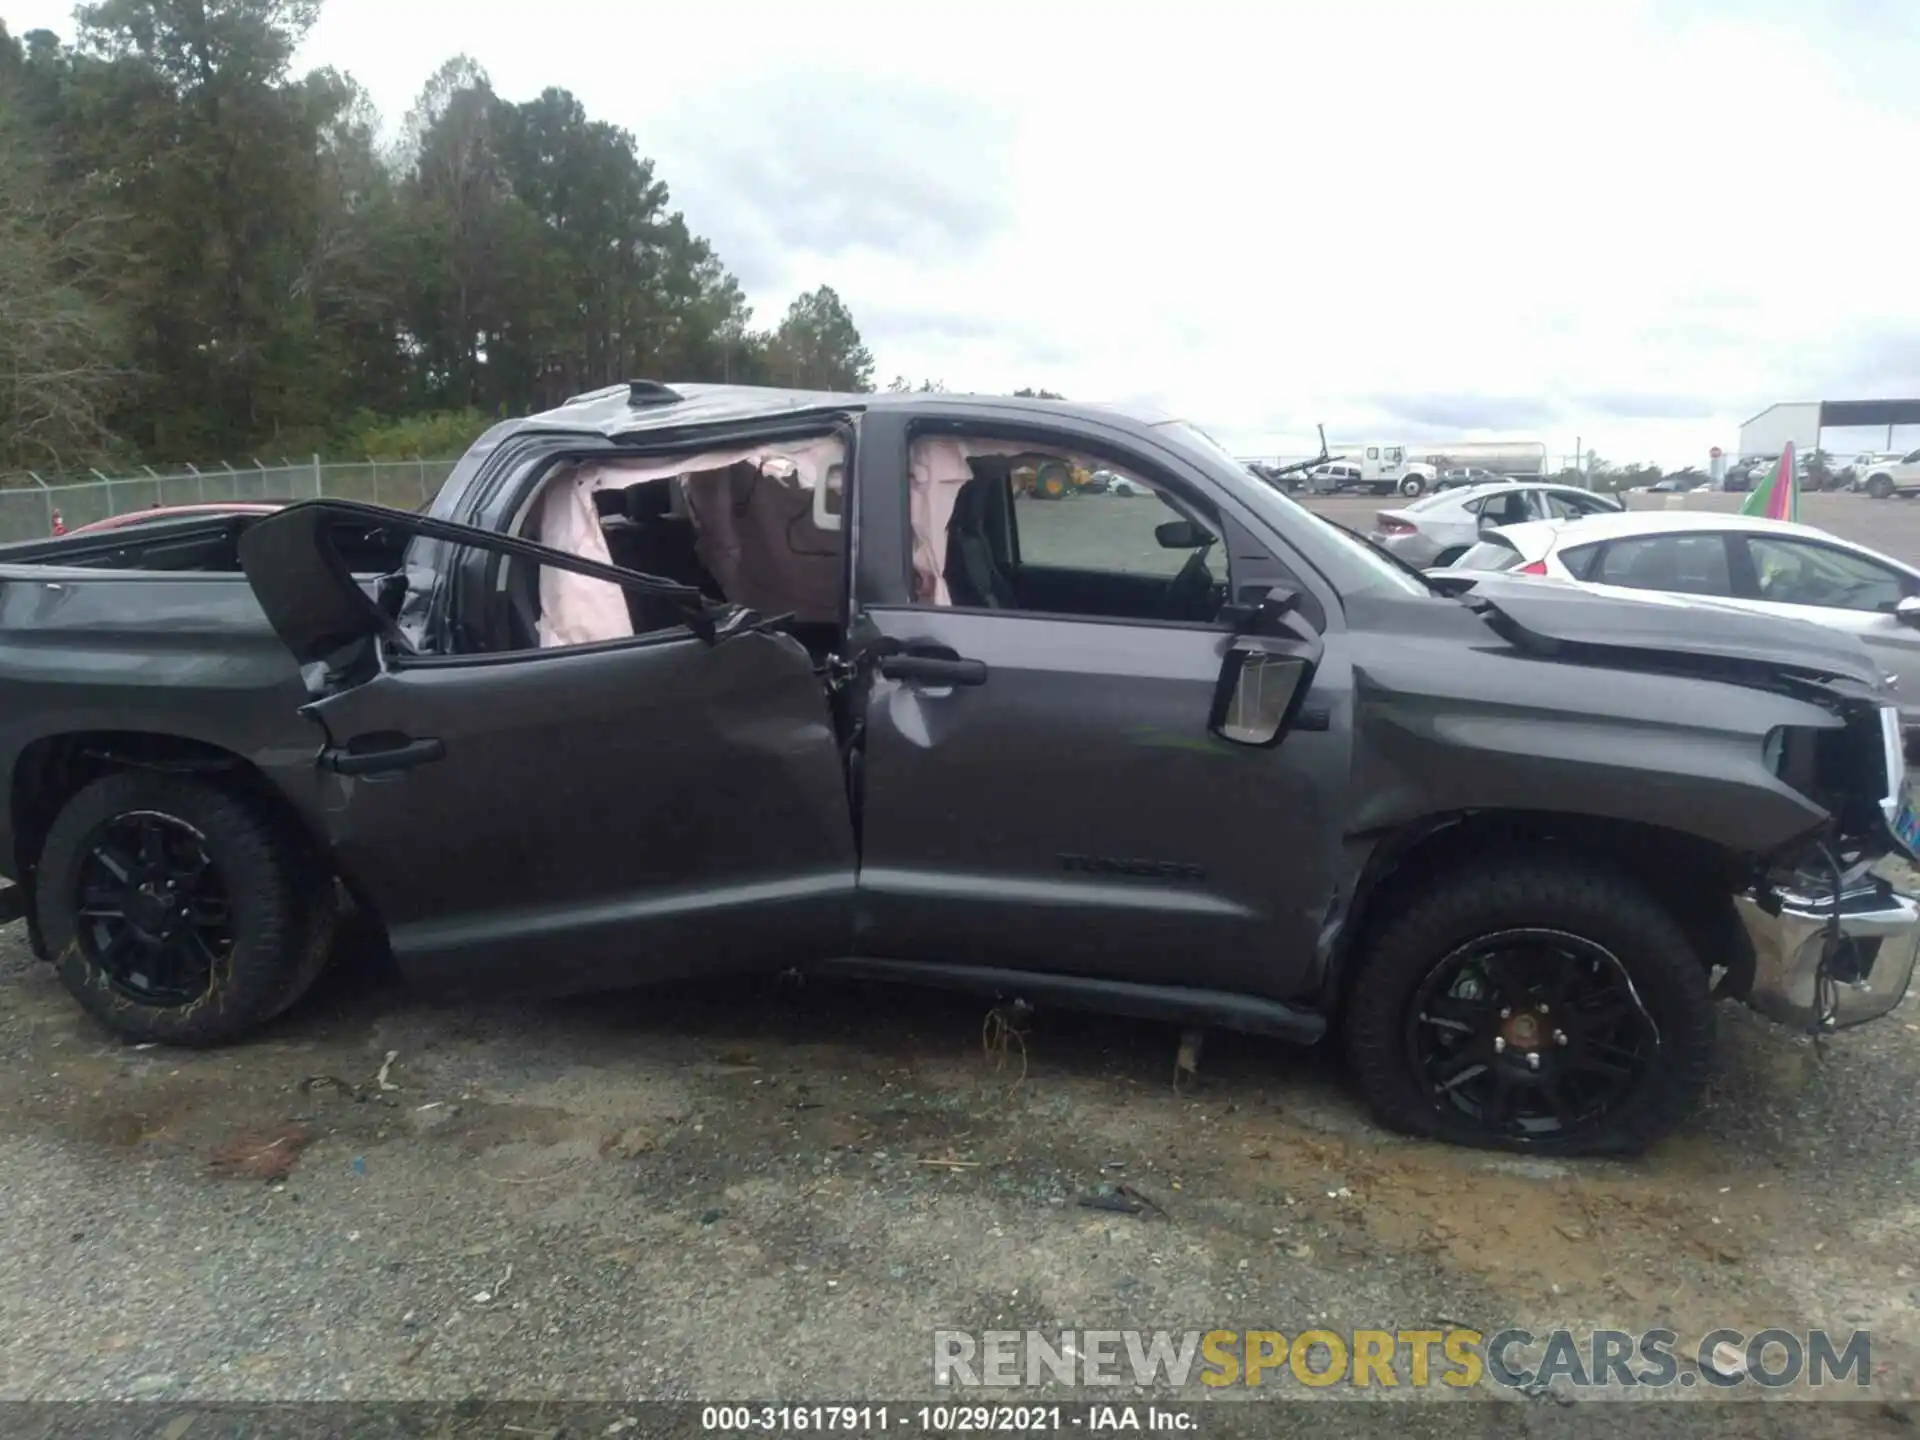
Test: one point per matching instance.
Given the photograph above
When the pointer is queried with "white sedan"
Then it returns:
(1776, 567)
(1444, 525)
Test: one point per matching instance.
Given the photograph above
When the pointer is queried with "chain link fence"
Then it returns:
(30, 504)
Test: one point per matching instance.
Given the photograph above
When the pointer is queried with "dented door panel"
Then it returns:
(566, 819)
(1071, 814)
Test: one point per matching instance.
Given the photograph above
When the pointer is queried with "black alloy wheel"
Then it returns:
(1542, 1002)
(153, 913)
(1530, 1034)
(182, 909)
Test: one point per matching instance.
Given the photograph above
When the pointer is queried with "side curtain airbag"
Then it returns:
(579, 610)
(938, 466)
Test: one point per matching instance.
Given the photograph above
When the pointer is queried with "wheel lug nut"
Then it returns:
(1505, 1013)
(1543, 1007)
(1559, 1037)
(1533, 1060)
(1499, 1044)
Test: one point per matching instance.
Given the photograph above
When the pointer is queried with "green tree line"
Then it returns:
(204, 254)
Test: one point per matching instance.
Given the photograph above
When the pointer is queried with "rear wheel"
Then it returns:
(1532, 1005)
(177, 911)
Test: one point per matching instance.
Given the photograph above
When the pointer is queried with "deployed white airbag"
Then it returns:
(754, 533)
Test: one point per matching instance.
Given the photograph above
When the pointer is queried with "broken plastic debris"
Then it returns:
(386, 1066)
(485, 1297)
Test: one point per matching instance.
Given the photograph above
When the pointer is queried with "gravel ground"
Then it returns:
(715, 1193)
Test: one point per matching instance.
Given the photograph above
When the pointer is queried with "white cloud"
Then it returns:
(1637, 223)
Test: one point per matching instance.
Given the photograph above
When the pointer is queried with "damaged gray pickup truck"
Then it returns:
(686, 682)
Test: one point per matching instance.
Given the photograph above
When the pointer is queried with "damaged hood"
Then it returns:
(1554, 618)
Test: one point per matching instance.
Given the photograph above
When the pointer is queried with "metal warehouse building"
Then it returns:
(1869, 424)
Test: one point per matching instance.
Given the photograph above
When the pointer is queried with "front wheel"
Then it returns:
(1412, 486)
(1880, 487)
(1549, 1007)
(177, 911)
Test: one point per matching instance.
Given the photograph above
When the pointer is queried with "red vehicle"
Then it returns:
(171, 512)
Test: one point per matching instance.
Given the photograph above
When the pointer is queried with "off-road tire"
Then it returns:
(1571, 896)
(283, 910)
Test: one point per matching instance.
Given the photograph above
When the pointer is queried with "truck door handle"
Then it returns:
(935, 669)
(396, 753)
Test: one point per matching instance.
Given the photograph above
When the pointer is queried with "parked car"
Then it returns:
(1442, 526)
(1463, 476)
(1899, 477)
(1772, 567)
(1233, 766)
(158, 513)
(1332, 478)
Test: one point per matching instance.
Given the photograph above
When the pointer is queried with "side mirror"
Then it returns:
(1258, 693)
(1907, 612)
(1182, 535)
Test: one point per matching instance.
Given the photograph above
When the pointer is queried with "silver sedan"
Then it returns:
(1445, 525)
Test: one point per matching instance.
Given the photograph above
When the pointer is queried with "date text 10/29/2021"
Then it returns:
(1087, 1419)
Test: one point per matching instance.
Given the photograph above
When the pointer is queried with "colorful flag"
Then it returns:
(1778, 496)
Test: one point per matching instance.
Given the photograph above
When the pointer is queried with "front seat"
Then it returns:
(973, 575)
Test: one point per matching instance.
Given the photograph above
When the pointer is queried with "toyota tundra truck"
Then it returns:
(701, 681)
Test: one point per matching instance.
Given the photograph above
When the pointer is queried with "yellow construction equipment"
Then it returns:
(1047, 477)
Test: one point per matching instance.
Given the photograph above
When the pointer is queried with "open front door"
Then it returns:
(573, 817)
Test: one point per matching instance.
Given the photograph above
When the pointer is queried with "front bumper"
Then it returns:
(1871, 968)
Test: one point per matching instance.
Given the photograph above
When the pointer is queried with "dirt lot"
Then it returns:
(779, 1191)
(716, 1193)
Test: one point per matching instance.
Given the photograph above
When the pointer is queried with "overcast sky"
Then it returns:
(1637, 223)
